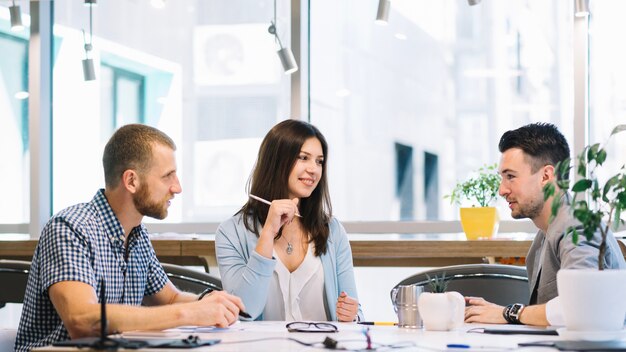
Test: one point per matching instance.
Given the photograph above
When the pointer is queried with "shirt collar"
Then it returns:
(113, 226)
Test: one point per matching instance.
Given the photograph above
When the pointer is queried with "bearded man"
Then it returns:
(529, 156)
(105, 241)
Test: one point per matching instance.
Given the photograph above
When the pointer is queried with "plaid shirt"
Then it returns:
(85, 243)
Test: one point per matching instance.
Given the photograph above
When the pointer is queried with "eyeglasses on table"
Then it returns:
(306, 326)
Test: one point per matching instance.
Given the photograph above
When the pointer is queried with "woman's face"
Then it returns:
(307, 170)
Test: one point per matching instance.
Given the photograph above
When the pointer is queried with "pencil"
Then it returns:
(387, 323)
(266, 202)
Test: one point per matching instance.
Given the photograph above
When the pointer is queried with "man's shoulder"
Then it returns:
(73, 219)
(76, 214)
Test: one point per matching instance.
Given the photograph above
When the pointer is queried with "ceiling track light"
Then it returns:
(89, 73)
(284, 54)
(16, 17)
(473, 2)
(382, 16)
(581, 8)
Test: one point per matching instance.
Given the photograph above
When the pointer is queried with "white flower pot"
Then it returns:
(441, 311)
(593, 300)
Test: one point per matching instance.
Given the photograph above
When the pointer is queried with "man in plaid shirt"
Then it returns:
(105, 240)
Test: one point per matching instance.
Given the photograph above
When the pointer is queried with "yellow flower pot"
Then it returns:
(479, 223)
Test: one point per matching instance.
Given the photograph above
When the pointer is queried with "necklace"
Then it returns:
(289, 248)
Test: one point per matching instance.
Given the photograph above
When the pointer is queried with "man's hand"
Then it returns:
(219, 309)
(347, 307)
(480, 311)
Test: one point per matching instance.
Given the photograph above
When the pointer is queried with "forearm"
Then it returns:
(265, 244)
(250, 282)
(125, 318)
(534, 315)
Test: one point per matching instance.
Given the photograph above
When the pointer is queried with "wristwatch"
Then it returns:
(512, 313)
(204, 293)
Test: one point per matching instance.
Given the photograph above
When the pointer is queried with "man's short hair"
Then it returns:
(542, 142)
(130, 147)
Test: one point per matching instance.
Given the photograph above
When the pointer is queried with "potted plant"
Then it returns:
(598, 207)
(479, 191)
(441, 310)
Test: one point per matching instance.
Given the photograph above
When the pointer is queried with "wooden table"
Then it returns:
(374, 252)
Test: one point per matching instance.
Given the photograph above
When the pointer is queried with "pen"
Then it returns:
(387, 323)
(266, 202)
(465, 346)
(244, 314)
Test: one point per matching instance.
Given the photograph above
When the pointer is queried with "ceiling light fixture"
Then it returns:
(284, 54)
(473, 2)
(16, 17)
(382, 16)
(581, 8)
(89, 73)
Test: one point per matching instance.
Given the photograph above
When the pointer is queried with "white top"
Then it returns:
(297, 296)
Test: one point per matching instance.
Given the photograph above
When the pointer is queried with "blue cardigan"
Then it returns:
(247, 274)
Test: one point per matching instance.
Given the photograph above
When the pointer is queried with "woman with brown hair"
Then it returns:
(290, 260)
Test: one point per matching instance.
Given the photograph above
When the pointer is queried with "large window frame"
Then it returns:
(40, 125)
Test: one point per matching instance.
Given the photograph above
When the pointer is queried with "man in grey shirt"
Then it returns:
(527, 164)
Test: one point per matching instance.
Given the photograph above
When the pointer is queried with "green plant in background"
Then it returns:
(597, 206)
(480, 190)
(438, 284)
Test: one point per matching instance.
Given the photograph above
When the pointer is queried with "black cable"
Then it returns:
(326, 344)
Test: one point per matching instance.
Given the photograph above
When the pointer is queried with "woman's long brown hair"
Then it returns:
(278, 154)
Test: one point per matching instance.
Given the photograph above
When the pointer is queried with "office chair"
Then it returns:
(13, 276)
(500, 284)
(189, 280)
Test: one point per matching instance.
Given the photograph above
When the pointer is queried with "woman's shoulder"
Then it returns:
(336, 228)
(232, 224)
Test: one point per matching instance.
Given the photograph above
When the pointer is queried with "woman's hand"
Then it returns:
(347, 307)
(280, 213)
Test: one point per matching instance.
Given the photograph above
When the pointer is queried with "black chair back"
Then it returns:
(13, 278)
(500, 284)
(190, 280)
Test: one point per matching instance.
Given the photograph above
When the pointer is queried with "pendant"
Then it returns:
(289, 248)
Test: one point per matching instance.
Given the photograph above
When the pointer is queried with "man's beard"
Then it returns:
(530, 211)
(146, 207)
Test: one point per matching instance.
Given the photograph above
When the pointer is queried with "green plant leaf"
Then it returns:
(582, 185)
(556, 205)
(548, 190)
(618, 129)
(601, 157)
(613, 181)
(617, 217)
(480, 190)
(574, 233)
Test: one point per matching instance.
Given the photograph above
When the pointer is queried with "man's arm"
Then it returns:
(77, 305)
(481, 311)
(169, 294)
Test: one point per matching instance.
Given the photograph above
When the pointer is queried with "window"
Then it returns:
(442, 78)
(14, 147)
(607, 79)
(203, 71)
